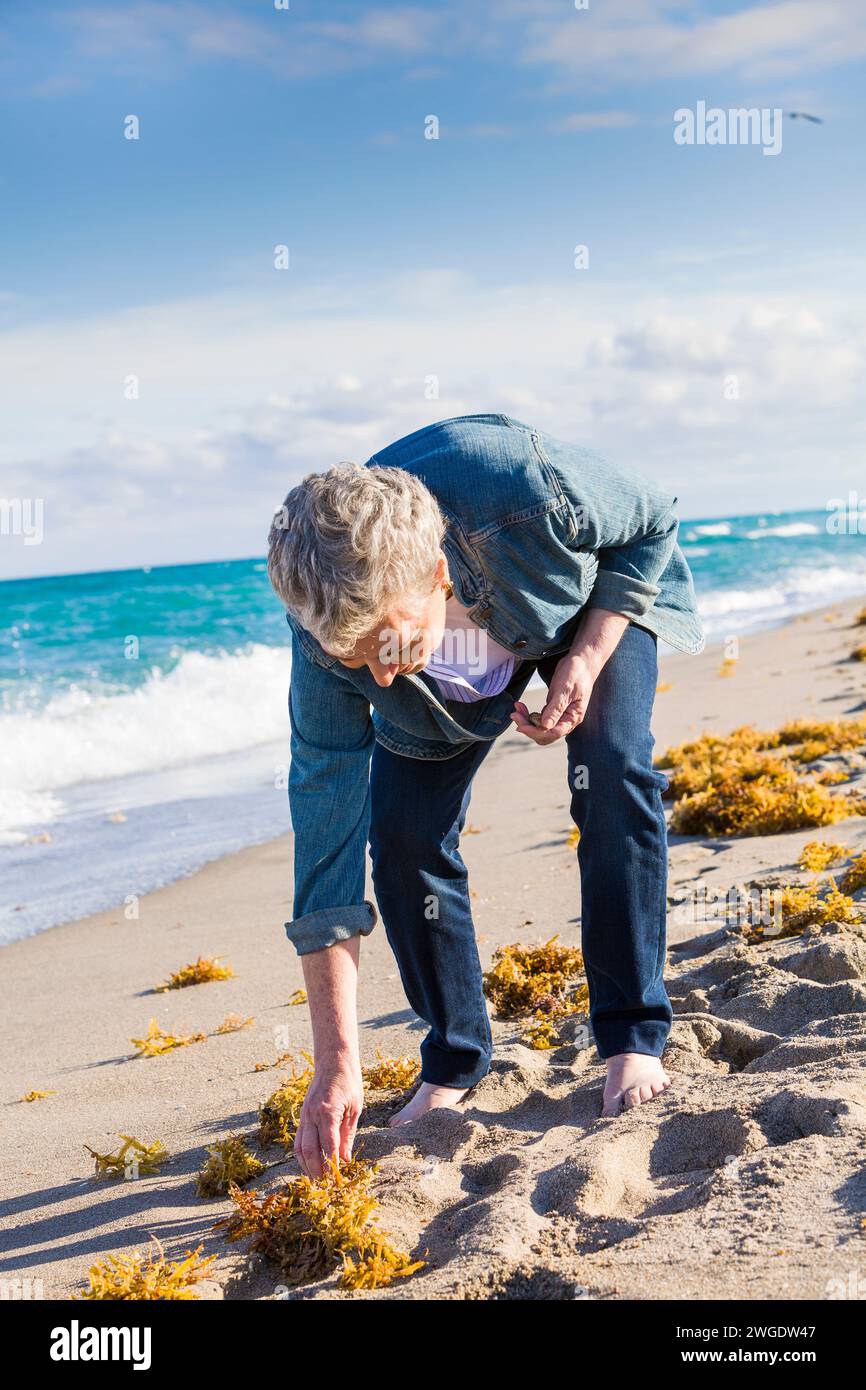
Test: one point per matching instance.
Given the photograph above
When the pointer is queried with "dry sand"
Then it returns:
(746, 1180)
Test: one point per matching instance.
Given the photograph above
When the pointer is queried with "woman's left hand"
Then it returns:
(567, 701)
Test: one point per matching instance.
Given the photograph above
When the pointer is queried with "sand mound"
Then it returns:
(755, 1152)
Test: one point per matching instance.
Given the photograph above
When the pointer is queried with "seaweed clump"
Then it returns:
(311, 1227)
(156, 1042)
(541, 1035)
(391, 1073)
(524, 978)
(749, 782)
(30, 1096)
(801, 907)
(132, 1157)
(233, 1023)
(228, 1162)
(820, 854)
(281, 1112)
(854, 877)
(200, 972)
(816, 738)
(280, 1061)
(765, 806)
(134, 1277)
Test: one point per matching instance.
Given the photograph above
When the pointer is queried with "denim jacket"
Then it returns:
(537, 530)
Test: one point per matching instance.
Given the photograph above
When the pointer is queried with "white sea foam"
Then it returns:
(20, 808)
(792, 528)
(710, 528)
(800, 589)
(206, 705)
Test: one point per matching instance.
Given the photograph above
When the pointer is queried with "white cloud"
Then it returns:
(237, 402)
(632, 41)
(649, 39)
(161, 39)
(595, 120)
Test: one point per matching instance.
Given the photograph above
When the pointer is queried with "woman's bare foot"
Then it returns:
(632, 1078)
(427, 1097)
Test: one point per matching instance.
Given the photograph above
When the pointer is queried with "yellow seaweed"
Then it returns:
(750, 754)
(377, 1267)
(233, 1023)
(158, 1042)
(279, 1116)
(281, 1061)
(228, 1161)
(311, 1227)
(144, 1159)
(523, 978)
(766, 806)
(137, 1277)
(809, 906)
(200, 972)
(391, 1073)
(819, 737)
(541, 1036)
(854, 877)
(820, 854)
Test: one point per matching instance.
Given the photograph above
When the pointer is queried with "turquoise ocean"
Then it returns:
(143, 724)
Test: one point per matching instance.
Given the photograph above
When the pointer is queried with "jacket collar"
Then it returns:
(465, 576)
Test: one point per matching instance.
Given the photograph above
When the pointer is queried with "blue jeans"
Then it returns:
(418, 809)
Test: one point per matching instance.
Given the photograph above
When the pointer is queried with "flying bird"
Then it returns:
(804, 115)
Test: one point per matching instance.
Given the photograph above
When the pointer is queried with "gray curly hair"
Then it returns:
(349, 543)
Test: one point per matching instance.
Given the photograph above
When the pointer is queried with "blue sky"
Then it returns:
(413, 259)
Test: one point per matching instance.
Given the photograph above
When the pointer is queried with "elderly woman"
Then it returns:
(423, 590)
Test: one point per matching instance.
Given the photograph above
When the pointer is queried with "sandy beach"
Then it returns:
(744, 1181)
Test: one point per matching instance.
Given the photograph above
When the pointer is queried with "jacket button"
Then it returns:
(521, 642)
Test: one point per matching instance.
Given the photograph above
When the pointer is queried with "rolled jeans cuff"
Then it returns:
(615, 1036)
(317, 930)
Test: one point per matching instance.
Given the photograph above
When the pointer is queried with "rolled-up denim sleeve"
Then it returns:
(627, 522)
(329, 799)
(629, 568)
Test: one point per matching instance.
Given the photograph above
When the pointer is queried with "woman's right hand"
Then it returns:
(330, 1114)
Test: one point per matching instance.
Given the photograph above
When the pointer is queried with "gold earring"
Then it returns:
(449, 589)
